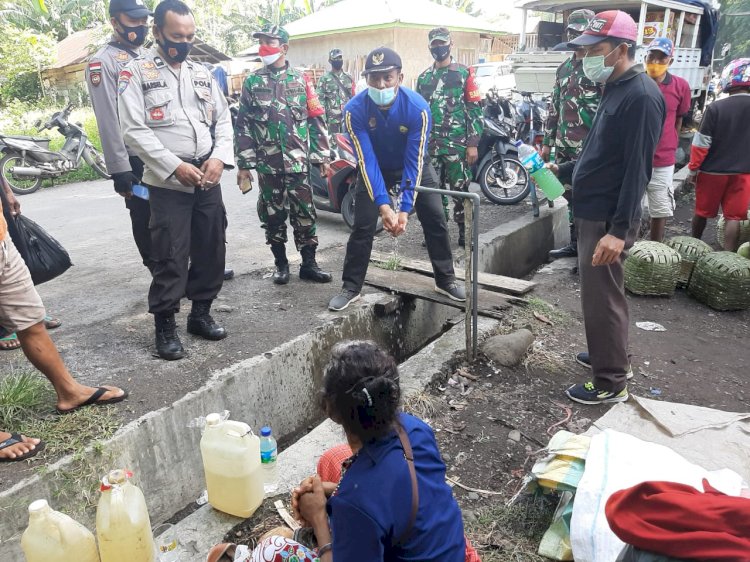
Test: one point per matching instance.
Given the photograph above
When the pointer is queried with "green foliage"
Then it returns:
(466, 6)
(733, 29)
(60, 18)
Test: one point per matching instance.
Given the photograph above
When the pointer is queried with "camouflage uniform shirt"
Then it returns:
(455, 104)
(334, 97)
(575, 100)
(280, 127)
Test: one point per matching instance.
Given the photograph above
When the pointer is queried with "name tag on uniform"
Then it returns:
(155, 85)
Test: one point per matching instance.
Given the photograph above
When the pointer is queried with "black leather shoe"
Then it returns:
(568, 251)
(167, 342)
(309, 270)
(200, 323)
(281, 275)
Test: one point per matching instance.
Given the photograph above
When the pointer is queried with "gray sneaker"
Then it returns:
(343, 299)
(453, 291)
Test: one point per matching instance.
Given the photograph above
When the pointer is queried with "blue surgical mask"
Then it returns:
(595, 69)
(382, 97)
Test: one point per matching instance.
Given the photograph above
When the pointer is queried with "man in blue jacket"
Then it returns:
(389, 126)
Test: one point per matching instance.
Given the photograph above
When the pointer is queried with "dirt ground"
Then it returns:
(491, 424)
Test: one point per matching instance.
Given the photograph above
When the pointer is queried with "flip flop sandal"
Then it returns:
(52, 323)
(14, 439)
(93, 400)
(10, 338)
(219, 553)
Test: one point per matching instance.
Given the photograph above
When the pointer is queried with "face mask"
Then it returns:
(134, 35)
(655, 70)
(595, 69)
(177, 52)
(382, 97)
(269, 55)
(441, 52)
(337, 64)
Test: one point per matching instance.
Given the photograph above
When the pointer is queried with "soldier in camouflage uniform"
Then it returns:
(335, 88)
(575, 100)
(280, 132)
(451, 91)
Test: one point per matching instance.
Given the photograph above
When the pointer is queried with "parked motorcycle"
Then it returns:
(26, 160)
(531, 114)
(499, 172)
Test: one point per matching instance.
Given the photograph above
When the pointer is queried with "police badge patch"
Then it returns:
(95, 73)
(124, 81)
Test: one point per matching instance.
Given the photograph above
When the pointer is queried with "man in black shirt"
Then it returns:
(609, 180)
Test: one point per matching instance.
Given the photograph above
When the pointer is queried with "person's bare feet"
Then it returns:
(81, 394)
(11, 452)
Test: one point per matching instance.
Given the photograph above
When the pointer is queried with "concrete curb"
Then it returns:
(205, 527)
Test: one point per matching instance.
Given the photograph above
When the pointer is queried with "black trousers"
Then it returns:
(140, 215)
(188, 246)
(429, 209)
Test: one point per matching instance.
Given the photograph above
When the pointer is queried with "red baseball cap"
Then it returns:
(612, 23)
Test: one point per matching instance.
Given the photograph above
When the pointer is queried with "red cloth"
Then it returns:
(731, 192)
(329, 465)
(679, 521)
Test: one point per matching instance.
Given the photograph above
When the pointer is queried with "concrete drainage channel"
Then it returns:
(277, 388)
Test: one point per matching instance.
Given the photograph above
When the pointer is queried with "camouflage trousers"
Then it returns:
(454, 174)
(334, 127)
(282, 196)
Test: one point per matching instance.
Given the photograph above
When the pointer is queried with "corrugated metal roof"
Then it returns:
(351, 15)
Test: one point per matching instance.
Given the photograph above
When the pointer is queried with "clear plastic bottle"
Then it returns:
(268, 456)
(541, 175)
(52, 535)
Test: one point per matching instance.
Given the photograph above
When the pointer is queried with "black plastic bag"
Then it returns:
(44, 256)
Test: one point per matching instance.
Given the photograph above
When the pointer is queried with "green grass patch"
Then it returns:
(554, 314)
(512, 533)
(393, 263)
(23, 395)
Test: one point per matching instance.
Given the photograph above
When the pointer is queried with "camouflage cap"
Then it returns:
(274, 32)
(579, 20)
(335, 54)
(382, 59)
(439, 34)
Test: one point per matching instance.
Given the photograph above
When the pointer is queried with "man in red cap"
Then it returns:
(609, 179)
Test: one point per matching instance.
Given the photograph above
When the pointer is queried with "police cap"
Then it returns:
(136, 9)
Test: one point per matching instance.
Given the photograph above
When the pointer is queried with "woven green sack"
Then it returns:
(722, 281)
(690, 250)
(652, 268)
(744, 230)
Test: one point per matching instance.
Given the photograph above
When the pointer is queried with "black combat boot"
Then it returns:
(461, 235)
(309, 269)
(168, 345)
(201, 324)
(569, 251)
(281, 275)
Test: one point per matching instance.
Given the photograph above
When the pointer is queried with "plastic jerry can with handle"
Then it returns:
(52, 535)
(123, 526)
(231, 462)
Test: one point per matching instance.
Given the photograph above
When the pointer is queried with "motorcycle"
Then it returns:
(26, 160)
(499, 172)
(531, 115)
(336, 192)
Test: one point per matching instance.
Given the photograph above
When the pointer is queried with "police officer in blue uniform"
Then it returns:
(389, 126)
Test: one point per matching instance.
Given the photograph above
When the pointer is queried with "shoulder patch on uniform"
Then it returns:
(95, 73)
(159, 62)
(123, 81)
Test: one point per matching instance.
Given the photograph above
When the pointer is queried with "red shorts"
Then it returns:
(732, 192)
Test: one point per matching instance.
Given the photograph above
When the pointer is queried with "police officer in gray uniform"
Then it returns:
(168, 107)
(129, 19)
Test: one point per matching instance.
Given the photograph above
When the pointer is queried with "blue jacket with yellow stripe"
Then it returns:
(389, 140)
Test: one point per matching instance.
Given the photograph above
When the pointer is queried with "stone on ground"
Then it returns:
(508, 349)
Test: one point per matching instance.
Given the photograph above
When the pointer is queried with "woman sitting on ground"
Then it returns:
(374, 513)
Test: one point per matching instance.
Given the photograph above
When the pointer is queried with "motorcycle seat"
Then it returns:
(43, 141)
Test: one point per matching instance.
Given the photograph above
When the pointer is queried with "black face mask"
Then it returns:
(176, 52)
(337, 64)
(134, 35)
(441, 52)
